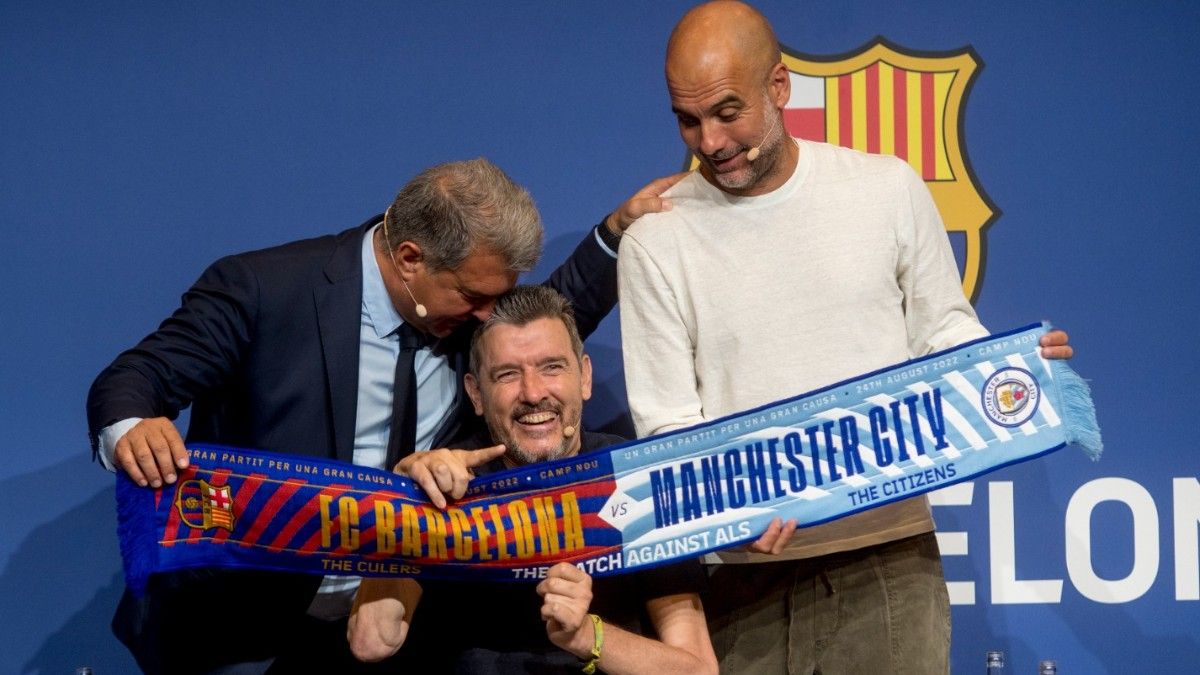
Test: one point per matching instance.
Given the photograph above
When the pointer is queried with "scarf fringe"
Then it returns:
(136, 531)
(1079, 413)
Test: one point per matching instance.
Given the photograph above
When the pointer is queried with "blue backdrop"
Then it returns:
(142, 141)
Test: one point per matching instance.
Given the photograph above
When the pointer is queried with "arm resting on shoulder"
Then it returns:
(588, 278)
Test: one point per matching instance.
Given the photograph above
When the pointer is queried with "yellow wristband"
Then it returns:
(597, 643)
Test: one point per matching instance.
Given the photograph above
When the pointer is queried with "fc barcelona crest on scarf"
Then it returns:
(884, 99)
(204, 506)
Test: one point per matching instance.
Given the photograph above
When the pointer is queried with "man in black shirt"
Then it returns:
(528, 378)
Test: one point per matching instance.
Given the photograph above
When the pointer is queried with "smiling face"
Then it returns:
(530, 386)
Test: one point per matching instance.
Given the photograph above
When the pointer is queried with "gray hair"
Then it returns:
(521, 306)
(452, 209)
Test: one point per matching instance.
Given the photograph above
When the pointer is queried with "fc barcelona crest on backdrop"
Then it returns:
(887, 100)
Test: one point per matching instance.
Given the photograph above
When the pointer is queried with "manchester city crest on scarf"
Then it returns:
(1011, 396)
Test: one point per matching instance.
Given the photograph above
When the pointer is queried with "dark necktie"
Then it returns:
(404, 397)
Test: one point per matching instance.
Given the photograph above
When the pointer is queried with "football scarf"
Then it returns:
(888, 435)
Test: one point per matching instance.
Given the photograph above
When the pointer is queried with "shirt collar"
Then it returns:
(380, 311)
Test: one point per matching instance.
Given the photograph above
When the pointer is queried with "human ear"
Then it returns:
(473, 391)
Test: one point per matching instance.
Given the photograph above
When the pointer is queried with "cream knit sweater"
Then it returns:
(728, 303)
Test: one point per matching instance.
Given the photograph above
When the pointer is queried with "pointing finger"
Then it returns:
(473, 458)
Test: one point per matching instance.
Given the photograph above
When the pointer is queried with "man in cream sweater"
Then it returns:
(784, 266)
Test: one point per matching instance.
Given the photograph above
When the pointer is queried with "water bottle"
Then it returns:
(995, 663)
(1047, 667)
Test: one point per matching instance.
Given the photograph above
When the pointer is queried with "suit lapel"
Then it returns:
(339, 316)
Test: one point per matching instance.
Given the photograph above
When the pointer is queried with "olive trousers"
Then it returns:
(881, 609)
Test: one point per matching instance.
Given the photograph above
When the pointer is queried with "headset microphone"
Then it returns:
(568, 431)
(421, 311)
(756, 150)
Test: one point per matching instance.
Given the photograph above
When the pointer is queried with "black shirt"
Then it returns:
(496, 627)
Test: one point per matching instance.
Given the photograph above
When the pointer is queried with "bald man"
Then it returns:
(784, 266)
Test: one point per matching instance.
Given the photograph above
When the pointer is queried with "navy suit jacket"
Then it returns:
(264, 347)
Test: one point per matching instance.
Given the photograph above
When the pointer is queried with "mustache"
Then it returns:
(522, 409)
(726, 154)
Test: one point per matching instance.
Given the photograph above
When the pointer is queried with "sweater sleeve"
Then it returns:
(936, 313)
(657, 346)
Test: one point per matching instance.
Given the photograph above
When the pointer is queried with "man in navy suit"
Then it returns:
(295, 349)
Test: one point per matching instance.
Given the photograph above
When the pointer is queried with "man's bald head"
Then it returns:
(721, 33)
(728, 88)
